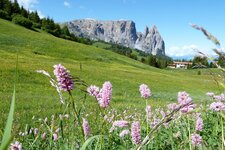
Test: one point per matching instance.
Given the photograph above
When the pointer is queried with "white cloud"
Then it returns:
(180, 51)
(28, 4)
(67, 4)
(188, 50)
(41, 15)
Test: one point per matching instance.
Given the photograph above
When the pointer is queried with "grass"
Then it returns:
(39, 50)
(101, 45)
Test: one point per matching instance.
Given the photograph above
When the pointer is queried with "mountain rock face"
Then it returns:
(121, 32)
(151, 42)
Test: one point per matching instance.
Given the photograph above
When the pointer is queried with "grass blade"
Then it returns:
(7, 132)
(89, 141)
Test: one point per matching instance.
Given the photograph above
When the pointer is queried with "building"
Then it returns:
(179, 65)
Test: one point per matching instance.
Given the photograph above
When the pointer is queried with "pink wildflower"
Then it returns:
(120, 123)
(109, 119)
(172, 106)
(63, 77)
(210, 94)
(148, 108)
(183, 98)
(35, 131)
(135, 133)
(55, 136)
(16, 146)
(155, 121)
(124, 132)
(188, 108)
(148, 112)
(219, 97)
(217, 106)
(199, 123)
(86, 128)
(105, 95)
(93, 90)
(163, 113)
(43, 136)
(196, 139)
(145, 91)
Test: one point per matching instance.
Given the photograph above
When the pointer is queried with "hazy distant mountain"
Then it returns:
(121, 32)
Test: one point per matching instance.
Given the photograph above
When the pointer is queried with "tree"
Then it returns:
(143, 60)
(33, 16)
(57, 30)
(3, 14)
(16, 7)
(24, 12)
(221, 60)
(133, 56)
(20, 20)
(47, 24)
(200, 62)
(65, 31)
(152, 60)
(8, 8)
(211, 65)
(3, 4)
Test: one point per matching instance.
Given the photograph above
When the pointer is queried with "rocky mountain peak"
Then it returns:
(121, 32)
(154, 30)
(146, 31)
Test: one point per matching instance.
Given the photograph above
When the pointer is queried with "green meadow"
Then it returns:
(38, 50)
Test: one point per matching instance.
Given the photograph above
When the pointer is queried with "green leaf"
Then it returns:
(89, 141)
(7, 132)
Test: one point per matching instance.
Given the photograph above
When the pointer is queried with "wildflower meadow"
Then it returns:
(186, 124)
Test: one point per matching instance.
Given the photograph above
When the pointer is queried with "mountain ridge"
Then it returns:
(121, 32)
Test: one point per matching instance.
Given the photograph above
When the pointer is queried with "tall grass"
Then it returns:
(7, 136)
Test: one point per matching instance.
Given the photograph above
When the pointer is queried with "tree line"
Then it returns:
(158, 61)
(202, 62)
(30, 19)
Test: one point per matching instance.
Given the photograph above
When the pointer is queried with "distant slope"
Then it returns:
(38, 50)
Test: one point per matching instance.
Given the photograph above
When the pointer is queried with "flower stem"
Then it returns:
(146, 116)
(222, 136)
(77, 115)
(189, 133)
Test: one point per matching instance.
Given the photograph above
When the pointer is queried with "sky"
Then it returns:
(172, 18)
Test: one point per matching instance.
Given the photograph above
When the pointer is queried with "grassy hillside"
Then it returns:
(38, 50)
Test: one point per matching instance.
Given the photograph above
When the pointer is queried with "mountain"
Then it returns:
(121, 32)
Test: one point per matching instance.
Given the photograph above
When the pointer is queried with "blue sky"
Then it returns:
(172, 17)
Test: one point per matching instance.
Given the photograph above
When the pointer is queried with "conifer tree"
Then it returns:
(33, 16)
(8, 8)
(24, 12)
(16, 7)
